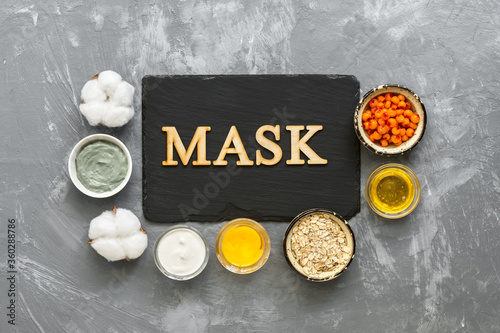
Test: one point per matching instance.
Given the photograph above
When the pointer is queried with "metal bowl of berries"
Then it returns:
(390, 120)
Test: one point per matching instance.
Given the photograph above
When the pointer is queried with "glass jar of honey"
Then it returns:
(392, 191)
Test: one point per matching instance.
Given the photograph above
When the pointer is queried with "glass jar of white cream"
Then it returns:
(181, 252)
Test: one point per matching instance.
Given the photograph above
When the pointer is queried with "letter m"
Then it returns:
(174, 140)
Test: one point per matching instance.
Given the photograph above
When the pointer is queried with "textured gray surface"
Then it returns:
(436, 270)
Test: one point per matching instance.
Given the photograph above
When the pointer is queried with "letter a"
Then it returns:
(234, 138)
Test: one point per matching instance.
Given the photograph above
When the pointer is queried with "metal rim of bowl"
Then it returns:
(72, 164)
(358, 126)
(292, 224)
(174, 276)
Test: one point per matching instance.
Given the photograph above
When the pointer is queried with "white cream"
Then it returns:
(181, 252)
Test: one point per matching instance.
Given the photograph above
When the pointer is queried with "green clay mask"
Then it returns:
(101, 166)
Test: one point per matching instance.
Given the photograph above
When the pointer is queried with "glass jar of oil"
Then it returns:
(393, 190)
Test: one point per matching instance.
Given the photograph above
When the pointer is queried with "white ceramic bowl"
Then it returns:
(72, 164)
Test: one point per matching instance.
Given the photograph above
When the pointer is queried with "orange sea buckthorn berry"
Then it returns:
(386, 136)
(408, 106)
(400, 118)
(384, 143)
(401, 105)
(373, 102)
(392, 122)
(395, 100)
(382, 129)
(410, 132)
(406, 123)
(401, 97)
(381, 121)
(402, 131)
(400, 111)
(396, 139)
(377, 135)
(398, 143)
(373, 124)
(381, 98)
(396, 130)
(392, 113)
(366, 125)
(372, 139)
(415, 118)
(394, 106)
(404, 138)
(378, 114)
(387, 104)
(385, 115)
(413, 126)
(367, 115)
(388, 96)
(408, 114)
(380, 105)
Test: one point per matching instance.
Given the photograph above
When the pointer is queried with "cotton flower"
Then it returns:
(117, 235)
(107, 99)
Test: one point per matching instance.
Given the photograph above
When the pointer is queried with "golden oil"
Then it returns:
(392, 190)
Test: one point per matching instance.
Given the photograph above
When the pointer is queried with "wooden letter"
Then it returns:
(299, 145)
(174, 140)
(268, 144)
(234, 138)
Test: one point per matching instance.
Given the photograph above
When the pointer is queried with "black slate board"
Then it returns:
(264, 193)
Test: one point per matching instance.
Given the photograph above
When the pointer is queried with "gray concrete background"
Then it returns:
(436, 270)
